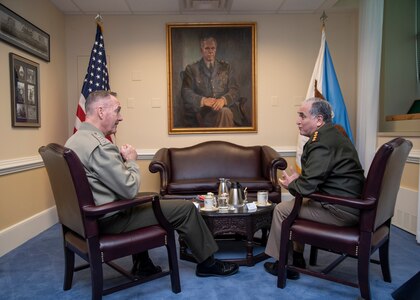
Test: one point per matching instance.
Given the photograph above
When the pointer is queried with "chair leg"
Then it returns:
(173, 266)
(283, 258)
(363, 274)
(313, 257)
(96, 274)
(68, 268)
(384, 258)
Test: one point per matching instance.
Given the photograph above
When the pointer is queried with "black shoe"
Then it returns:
(272, 268)
(218, 268)
(145, 268)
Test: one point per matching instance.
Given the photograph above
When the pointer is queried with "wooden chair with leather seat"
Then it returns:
(78, 216)
(376, 207)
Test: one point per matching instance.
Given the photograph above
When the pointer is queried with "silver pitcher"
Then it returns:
(223, 187)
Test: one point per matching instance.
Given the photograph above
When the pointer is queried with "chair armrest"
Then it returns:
(294, 213)
(100, 210)
(161, 218)
(160, 163)
(271, 162)
(362, 204)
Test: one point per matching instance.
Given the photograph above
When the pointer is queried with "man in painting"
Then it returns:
(209, 89)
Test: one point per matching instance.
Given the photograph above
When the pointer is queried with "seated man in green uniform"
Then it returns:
(113, 174)
(330, 165)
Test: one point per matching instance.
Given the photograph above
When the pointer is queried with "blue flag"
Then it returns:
(332, 93)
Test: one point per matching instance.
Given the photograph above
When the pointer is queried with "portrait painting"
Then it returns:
(211, 77)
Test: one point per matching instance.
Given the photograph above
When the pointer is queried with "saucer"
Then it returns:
(209, 209)
(262, 205)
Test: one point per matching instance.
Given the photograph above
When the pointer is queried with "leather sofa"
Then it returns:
(195, 170)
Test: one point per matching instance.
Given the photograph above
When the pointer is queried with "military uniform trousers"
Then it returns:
(310, 210)
(182, 214)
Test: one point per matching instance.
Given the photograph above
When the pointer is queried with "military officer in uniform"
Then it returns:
(208, 89)
(330, 165)
(113, 174)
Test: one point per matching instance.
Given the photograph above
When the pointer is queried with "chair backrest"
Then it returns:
(69, 185)
(384, 178)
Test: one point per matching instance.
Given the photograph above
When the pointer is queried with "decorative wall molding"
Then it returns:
(16, 165)
(414, 157)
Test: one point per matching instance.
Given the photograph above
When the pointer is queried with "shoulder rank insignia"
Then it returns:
(101, 139)
(315, 137)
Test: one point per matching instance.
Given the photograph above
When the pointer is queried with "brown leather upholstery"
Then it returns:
(78, 216)
(186, 172)
(373, 231)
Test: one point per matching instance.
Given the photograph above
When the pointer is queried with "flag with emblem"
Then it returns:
(96, 75)
(324, 84)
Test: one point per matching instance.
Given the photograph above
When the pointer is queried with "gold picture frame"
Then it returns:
(232, 79)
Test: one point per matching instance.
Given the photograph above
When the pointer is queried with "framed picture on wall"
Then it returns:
(24, 83)
(24, 35)
(211, 77)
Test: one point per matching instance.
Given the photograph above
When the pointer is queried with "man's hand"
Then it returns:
(209, 102)
(215, 104)
(128, 152)
(286, 179)
(218, 104)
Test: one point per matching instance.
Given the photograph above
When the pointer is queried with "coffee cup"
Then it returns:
(209, 201)
(262, 198)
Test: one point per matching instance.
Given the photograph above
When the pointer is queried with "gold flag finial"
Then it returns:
(323, 18)
(98, 18)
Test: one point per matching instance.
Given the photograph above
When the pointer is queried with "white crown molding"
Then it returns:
(16, 165)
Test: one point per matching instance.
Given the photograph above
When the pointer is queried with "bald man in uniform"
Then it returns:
(113, 174)
(330, 165)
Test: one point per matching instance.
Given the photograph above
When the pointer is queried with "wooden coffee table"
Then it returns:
(238, 224)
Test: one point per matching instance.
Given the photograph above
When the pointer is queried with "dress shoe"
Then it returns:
(217, 268)
(144, 268)
(272, 268)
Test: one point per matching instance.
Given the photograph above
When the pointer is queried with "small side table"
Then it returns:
(238, 222)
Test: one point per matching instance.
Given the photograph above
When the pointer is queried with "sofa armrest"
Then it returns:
(161, 163)
(271, 162)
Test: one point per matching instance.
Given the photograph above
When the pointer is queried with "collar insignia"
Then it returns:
(315, 137)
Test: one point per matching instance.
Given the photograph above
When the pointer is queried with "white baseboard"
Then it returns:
(14, 236)
(405, 214)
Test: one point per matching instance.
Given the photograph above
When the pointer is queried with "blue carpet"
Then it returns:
(35, 271)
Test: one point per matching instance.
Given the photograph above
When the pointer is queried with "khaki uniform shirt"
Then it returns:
(110, 177)
(330, 165)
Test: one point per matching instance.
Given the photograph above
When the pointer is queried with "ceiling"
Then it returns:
(175, 7)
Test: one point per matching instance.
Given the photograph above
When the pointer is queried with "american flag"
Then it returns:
(96, 75)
